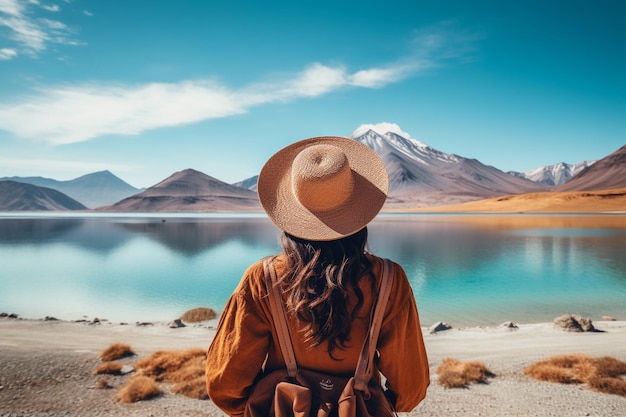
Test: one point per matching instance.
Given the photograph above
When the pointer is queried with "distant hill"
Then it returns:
(553, 175)
(17, 196)
(421, 176)
(608, 173)
(93, 190)
(189, 191)
(248, 183)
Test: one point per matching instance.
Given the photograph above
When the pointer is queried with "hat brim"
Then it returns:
(368, 195)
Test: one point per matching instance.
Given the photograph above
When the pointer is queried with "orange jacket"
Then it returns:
(245, 339)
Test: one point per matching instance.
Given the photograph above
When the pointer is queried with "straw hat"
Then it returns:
(323, 188)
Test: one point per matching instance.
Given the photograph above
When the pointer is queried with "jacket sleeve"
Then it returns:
(402, 354)
(238, 351)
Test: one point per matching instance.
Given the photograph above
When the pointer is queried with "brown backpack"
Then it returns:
(298, 392)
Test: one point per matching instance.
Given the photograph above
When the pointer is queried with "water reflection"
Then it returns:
(14, 231)
(463, 269)
(191, 237)
(186, 236)
(487, 270)
(89, 234)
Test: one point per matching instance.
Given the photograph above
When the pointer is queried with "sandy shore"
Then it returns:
(597, 201)
(46, 369)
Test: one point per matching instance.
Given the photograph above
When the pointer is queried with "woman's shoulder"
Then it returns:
(401, 290)
(253, 279)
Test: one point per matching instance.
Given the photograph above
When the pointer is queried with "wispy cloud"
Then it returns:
(32, 34)
(51, 8)
(69, 114)
(380, 77)
(75, 113)
(11, 7)
(7, 53)
(78, 113)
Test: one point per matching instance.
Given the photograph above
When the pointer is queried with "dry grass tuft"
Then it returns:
(138, 388)
(190, 379)
(111, 368)
(453, 373)
(103, 383)
(199, 314)
(162, 364)
(610, 367)
(116, 351)
(608, 385)
(185, 369)
(602, 374)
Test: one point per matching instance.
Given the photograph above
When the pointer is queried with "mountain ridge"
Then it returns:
(92, 190)
(189, 190)
(553, 175)
(18, 196)
(419, 175)
(601, 187)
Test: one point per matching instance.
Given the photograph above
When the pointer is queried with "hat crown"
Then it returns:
(323, 188)
(321, 177)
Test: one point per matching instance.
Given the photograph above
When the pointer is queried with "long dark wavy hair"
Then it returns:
(321, 275)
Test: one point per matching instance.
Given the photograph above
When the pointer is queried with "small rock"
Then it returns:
(144, 323)
(50, 318)
(574, 323)
(509, 325)
(439, 326)
(126, 369)
(175, 324)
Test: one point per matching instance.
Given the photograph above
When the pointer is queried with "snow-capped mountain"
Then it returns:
(556, 174)
(420, 175)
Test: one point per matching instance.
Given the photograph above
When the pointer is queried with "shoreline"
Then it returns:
(48, 368)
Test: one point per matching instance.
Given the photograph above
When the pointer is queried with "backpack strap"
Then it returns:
(278, 316)
(365, 365)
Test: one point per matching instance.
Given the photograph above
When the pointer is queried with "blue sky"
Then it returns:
(146, 88)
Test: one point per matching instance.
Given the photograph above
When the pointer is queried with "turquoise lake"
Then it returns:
(465, 270)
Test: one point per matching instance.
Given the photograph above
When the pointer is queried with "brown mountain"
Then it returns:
(607, 173)
(189, 191)
(17, 196)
